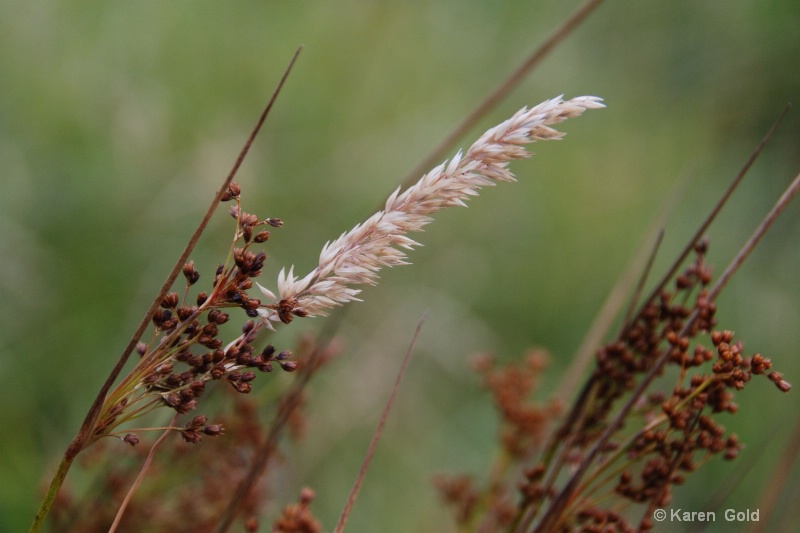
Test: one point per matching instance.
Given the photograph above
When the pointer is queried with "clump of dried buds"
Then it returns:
(187, 352)
(524, 425)
(211, 474)
(297, 518)
(679, 431)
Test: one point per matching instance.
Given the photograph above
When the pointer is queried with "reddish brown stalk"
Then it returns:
(564, 435)
(551, 518)
(497, 96)
(87, 427)
(362, 473)
(145, 467)
(787, 196)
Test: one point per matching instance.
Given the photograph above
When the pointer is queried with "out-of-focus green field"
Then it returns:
(118, 120)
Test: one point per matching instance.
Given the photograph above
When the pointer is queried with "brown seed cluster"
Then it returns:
(680, 429)
(667, 434)
(594, 519)
(671, 452)
(461, 493)
(297, 518)
(188, 350)
(524, 423)
(189, 488)
(665, 318)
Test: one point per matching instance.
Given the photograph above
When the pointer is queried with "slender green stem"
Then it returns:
(52, 492)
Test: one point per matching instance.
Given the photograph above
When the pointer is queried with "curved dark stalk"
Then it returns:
(142, 472)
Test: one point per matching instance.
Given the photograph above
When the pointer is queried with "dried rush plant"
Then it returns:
(648, 416)
(186, 352)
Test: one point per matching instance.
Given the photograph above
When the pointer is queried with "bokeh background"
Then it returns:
(118, 120)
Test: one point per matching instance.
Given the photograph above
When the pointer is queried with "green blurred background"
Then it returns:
(118, 120)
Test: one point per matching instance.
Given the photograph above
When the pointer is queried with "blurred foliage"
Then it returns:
(118, 120)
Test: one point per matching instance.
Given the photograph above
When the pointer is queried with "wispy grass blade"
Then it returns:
(373, 445)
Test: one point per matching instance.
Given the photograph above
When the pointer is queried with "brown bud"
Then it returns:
(185, 311)
(190, 273)
(288, 366)
(191, 436)
(131, 438)
(172, 400)
(198, 387)
(268, 351)
(244, 388)
(307, 495)
(213, 430)
(170, 300)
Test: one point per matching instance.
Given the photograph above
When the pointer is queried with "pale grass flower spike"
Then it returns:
(356, 256)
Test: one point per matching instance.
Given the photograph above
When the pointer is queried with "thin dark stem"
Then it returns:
(145, 467)
(787, 196)
(362, 473)
(561, 501)
(680, 454)
(643, 278)
(497, 96)
(87, 427)
(88, 424)
(562, 437)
